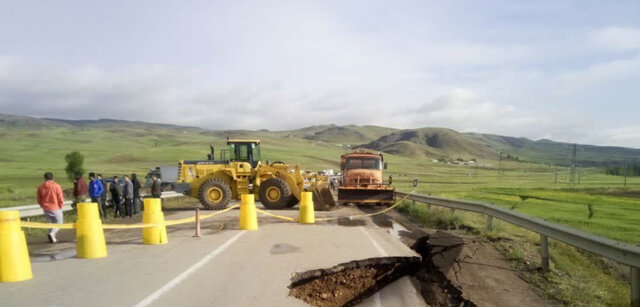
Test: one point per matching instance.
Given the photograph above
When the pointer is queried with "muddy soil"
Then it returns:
(349, 283)
(436, 288)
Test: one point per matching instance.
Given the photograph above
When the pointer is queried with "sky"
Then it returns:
(562, 70)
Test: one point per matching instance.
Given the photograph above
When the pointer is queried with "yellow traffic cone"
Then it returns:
(306, 208)
(89, 233)
(248, 214)
(14, 256)
(153, 215)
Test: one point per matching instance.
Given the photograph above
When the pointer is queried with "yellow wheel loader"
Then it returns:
(239, 171)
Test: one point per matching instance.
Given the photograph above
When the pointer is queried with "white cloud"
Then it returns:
(500, 67)
(616, 38)
(620, 136)
(465, 110)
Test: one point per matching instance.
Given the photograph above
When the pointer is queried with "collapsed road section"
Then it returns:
(349, 283)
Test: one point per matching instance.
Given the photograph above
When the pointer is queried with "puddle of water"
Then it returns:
(348, 221)
(395, 230)
(62, 255)
(283, 248)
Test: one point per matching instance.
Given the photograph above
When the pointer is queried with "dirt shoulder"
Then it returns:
(475, 267)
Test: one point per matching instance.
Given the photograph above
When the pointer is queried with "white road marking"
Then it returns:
(376, 297)
(375, 244)
(158, 293)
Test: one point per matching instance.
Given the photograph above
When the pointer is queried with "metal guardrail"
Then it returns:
(618, 251)
(35, 210)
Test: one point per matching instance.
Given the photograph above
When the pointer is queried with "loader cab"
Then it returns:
(244, 151)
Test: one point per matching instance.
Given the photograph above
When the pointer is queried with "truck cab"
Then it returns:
(362, 181)
(361, 169)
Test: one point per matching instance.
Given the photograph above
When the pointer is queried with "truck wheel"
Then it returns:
(214, 194)
(275, 193)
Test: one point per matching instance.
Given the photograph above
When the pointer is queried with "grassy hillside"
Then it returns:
(547, 151)
(431, 142)
(447, 143)
(349, 134)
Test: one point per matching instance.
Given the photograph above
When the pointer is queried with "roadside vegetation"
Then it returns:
(576, 278)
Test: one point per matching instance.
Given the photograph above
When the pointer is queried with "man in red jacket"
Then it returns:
(51, 200)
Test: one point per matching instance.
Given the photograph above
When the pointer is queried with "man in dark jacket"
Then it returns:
(95, 192)
(116, 197)
(136, 193)
(80, 190)
(128, 196)
(156, 187)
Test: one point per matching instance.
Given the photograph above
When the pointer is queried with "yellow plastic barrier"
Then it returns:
(248, 216)
(306, 209)
(14, 256)
(287, 218)
(397, 203)
(153, 215)
(46, 225)
(90, 241)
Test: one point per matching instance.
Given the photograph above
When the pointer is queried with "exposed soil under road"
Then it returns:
(470, 265)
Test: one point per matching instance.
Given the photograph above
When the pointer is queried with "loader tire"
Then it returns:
(292, 202)
(275, 193)
(214, 194)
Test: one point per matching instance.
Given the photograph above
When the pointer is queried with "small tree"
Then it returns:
(75, 160)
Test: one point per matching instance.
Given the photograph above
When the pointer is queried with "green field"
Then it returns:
(595, 202)
(119, 150)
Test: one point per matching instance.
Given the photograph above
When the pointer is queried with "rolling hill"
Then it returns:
(431, 143)
(447, 143)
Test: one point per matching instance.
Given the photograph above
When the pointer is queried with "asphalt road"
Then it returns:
(227, 267)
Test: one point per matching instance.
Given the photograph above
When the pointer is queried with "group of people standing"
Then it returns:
(125, 196)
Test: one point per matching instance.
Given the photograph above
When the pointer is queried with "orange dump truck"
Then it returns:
(362, 181)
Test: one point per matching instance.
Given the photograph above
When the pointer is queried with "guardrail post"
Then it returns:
(544, 253)
(635, 287)
(489, 222)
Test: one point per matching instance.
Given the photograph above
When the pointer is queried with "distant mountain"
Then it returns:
(432, 143)
(447, 143)
(17, 121)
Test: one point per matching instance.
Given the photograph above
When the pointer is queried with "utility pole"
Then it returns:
(500, 169)
(572, 177)
(555, 181)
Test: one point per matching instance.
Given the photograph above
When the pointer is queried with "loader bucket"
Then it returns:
(322, 197)
(359, 195)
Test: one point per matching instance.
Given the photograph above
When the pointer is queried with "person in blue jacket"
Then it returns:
(95, 192)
